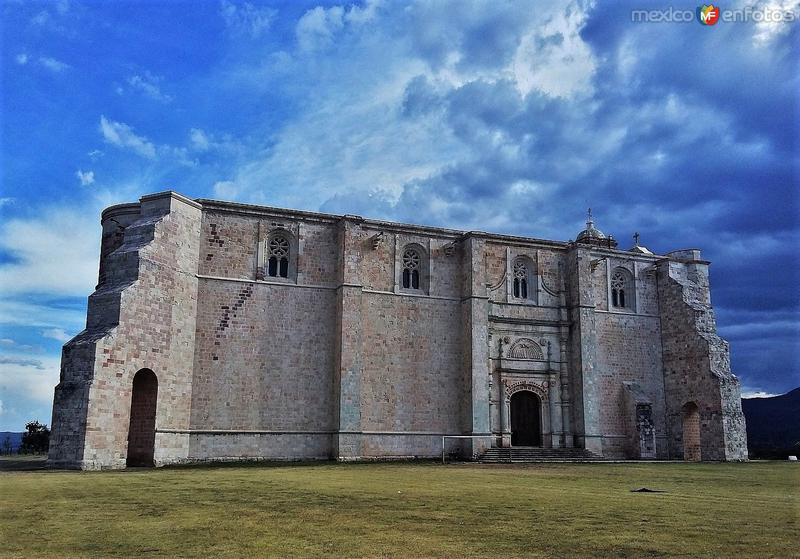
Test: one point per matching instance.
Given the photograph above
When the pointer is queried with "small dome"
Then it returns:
(591, 232)
(593, 236)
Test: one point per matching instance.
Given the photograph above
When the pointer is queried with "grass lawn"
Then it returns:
(405, 510)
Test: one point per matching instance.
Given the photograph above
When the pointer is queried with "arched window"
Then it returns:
(278, 249)
(621, 289)
(520, 287)
(412, 265)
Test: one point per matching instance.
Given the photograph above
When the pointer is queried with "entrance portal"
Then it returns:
(691, 432)
(142, 429)
(526, 425)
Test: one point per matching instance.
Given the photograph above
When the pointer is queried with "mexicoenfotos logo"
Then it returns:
(707, 15)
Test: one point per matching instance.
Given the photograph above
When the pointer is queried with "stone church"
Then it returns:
(226, 331)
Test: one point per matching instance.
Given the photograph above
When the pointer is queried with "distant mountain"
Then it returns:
(773, 425)
(15, 438)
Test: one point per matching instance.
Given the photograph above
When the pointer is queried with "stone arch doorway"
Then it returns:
(142, 428)
(526, 419)
(691, 432)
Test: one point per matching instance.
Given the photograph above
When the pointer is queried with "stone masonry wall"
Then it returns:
(263, 369)
(628, 351)
(338, 360)
(697, 362)
(411, 388)
(141, 316)
(412, 380)
(263, 366)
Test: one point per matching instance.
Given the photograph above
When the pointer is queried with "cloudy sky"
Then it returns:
(503, 117)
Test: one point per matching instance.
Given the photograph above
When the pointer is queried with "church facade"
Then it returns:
(224, 331)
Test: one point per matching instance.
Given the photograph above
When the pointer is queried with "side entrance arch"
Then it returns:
(142, 428)
(692, 451)
(526, 419)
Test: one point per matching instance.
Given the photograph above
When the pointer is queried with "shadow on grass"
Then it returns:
(222, 464)
(23, 463)
(38, 462)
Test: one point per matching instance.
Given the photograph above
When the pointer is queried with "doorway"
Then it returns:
(526, 422)
(142, 429)
(691, 433)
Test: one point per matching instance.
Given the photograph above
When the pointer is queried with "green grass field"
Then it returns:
(405, 510)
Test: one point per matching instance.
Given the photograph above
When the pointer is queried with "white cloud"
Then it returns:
(52, 64)
(57, 334)
(86, 177)
(226, 190)
(247, 19)
(14, 312)
(199, 139)
(2, 409)
(45, 260)
(21, 59)
(357, 139)
(179, 155)
(317, 27)
(122, 135)
(554, 59)
(6, 201)
(35, 380)
(148, 84)
(7, 342)
(758, 394)
(773, 24)
(22, 362)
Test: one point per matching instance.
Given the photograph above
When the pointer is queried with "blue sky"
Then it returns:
(504, 117)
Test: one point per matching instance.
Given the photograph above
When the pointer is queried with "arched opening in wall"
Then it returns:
(622, 289)
(412, 268)
(523, 280)
(691, 432)
(142, 428)
(526, 419)
(278, 251)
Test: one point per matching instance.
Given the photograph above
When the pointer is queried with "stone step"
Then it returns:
(535, 454)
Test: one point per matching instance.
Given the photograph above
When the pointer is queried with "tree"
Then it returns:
(35, 439)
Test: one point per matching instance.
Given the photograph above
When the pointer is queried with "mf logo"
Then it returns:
(708, 15)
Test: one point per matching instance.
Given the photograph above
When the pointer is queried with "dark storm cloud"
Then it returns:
(686, 134)
(689, 135)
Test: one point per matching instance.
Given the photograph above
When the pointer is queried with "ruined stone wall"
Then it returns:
(697, 362)
(141, 316)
